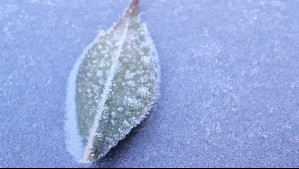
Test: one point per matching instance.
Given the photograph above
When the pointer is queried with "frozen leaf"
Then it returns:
(112, 87)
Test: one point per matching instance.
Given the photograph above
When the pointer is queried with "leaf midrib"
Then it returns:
(104, 96)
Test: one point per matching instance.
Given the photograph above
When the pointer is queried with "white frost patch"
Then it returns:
(73, 140)
(143, 91)
(155, 57)
(99, 73)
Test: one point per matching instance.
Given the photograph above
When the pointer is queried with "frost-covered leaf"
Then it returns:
(112, 87)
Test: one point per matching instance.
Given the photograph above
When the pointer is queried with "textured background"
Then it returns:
(229, 91)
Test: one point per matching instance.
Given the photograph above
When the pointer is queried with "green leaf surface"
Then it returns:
(116, 85)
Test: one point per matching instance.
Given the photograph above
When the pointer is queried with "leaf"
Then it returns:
(112, 87)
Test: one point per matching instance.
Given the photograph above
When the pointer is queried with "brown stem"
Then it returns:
(134, 8)
(132, 11)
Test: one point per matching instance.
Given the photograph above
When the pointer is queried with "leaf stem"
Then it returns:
(131, 12)
(134, 8)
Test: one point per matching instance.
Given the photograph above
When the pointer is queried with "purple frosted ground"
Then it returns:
(229, 91)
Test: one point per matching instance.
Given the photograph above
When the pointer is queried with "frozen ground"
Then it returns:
(229, 91)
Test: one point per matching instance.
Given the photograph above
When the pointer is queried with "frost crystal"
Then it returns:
(113, 86)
